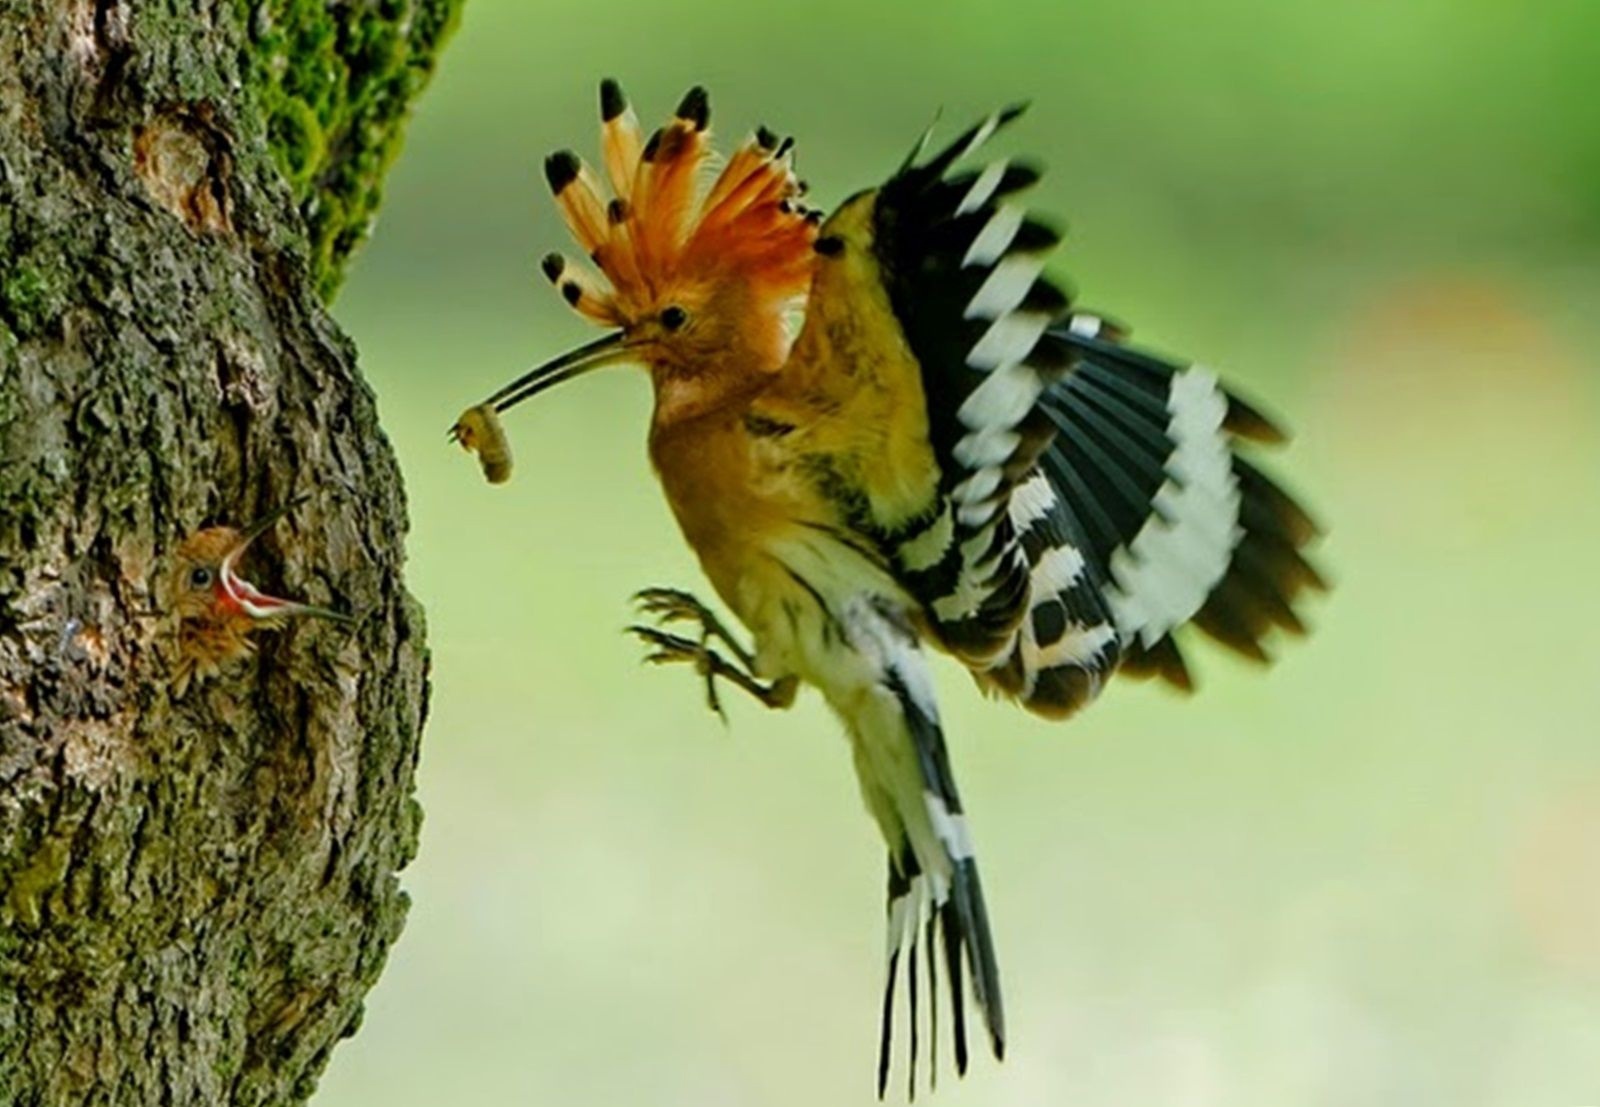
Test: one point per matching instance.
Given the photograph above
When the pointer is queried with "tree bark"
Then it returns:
(196, 890)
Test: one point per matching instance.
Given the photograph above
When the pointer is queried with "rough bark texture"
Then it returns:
(197, 891)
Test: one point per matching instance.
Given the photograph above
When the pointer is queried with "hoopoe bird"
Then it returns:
(217, 609)
(941, 452)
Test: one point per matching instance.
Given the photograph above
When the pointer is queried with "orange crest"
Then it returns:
(664, 230)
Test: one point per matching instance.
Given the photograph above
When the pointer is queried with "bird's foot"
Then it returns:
(669, 605)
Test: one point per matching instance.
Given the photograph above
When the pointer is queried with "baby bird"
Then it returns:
(216, 608)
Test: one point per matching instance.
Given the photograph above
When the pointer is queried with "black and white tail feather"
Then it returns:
(1093, 499)
(935, 897)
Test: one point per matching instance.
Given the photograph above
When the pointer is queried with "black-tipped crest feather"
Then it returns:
(695, 108)
(612, 102)
(561, 169)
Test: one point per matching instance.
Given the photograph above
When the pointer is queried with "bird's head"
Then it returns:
(698, 276)
(207, 588)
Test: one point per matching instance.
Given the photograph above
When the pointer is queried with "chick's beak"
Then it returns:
(250, 599)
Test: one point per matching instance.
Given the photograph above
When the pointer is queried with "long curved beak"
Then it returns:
(251, 600)
(609, 350)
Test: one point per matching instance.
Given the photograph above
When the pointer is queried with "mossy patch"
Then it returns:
(34, 291)
(335, 82)
(31, 885)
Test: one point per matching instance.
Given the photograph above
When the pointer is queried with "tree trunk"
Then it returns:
(196, 889)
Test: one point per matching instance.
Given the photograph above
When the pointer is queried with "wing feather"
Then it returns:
(1092, 499)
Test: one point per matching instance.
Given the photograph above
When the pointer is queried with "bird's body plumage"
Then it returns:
(947, 454)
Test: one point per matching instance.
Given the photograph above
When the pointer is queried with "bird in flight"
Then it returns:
(886, 430)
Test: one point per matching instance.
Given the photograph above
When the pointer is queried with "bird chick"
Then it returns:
(216, 608)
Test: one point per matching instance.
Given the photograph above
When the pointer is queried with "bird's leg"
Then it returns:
(669, 605)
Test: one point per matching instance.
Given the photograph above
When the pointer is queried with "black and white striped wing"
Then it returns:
(1181, 526)
(1001, 577)
(1092, 499)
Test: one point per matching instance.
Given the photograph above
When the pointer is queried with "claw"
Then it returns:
(671, 605)
(671, 647)
(668, 605)
(714, 701)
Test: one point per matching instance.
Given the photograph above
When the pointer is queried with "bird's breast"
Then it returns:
(773, 535)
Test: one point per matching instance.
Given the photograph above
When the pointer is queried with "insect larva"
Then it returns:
(479, 430)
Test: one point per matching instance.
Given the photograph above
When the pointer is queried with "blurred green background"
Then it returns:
(1368, 876)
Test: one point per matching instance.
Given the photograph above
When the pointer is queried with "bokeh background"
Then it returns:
(1370, 875)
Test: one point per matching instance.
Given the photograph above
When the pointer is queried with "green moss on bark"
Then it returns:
(33, 292)
(335, 82)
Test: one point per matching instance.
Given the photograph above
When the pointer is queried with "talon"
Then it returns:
(669, 605)
(654, 599)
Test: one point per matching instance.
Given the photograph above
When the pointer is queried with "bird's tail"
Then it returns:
(936, 905)
(954, 931)
(881, 689)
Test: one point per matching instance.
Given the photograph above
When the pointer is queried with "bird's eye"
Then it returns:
(673, 318)
(200, 577)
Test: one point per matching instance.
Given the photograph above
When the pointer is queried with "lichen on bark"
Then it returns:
(196, 891)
